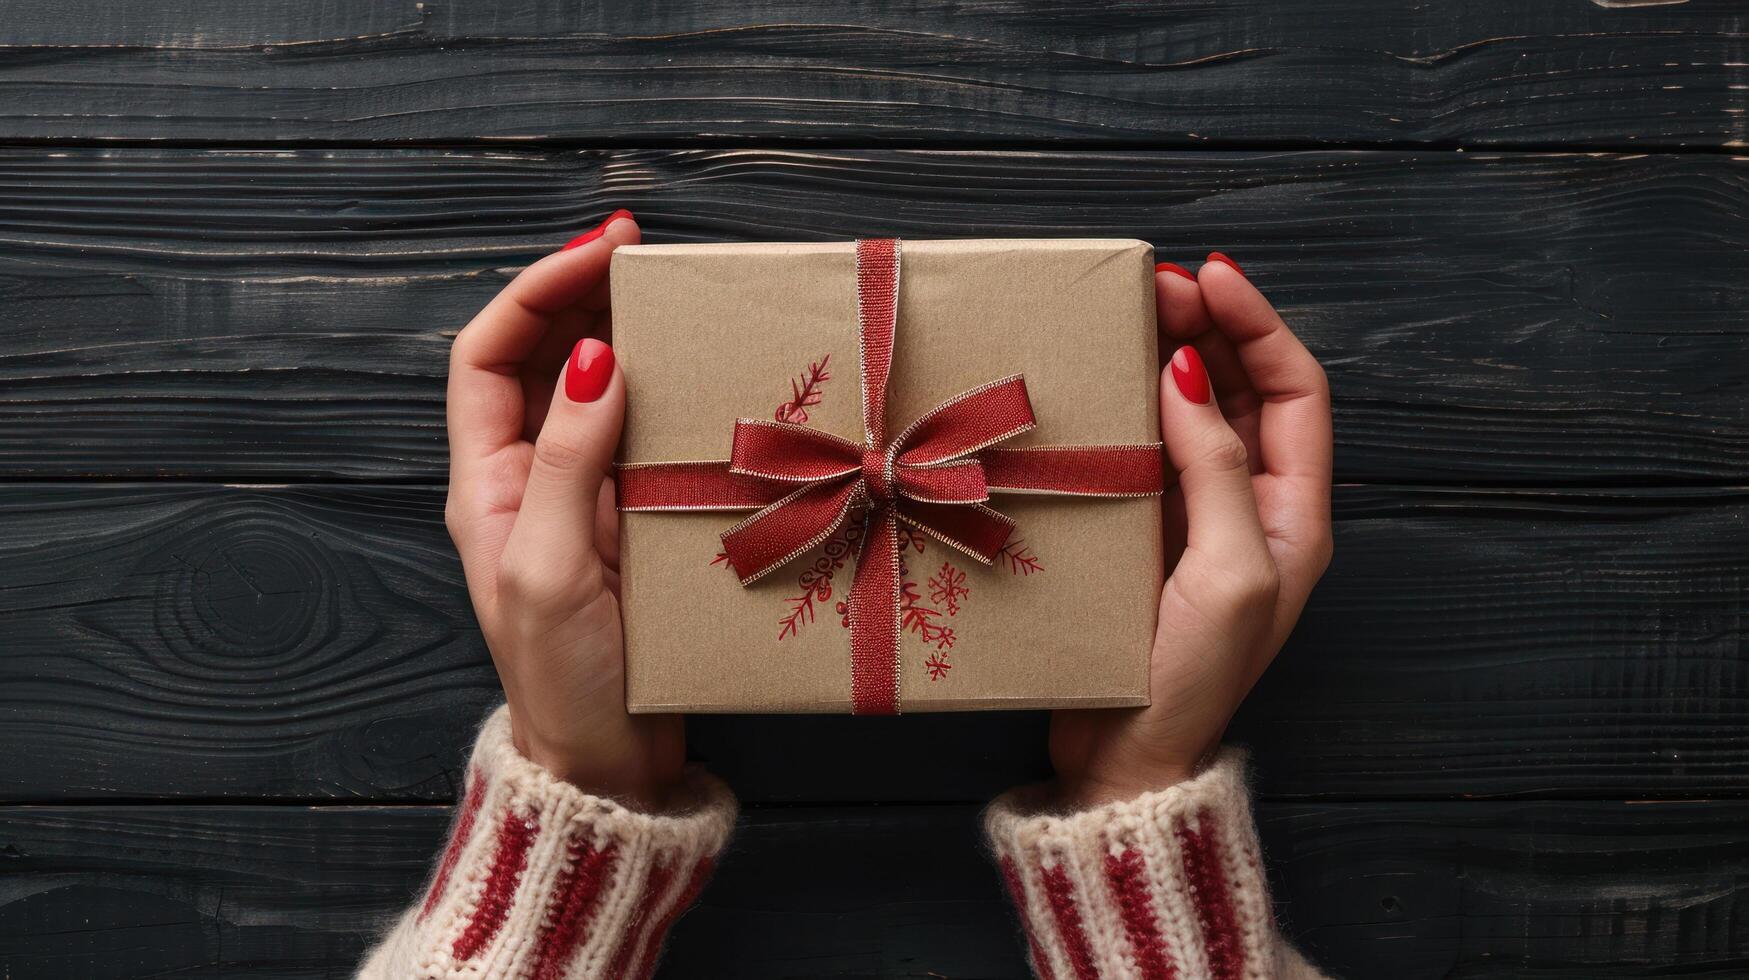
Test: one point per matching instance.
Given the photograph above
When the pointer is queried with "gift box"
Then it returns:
(885, 476)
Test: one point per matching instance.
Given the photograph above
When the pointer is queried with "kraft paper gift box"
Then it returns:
(1062, 616)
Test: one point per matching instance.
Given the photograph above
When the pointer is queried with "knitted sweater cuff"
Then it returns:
(542, 880)
(1169, 884)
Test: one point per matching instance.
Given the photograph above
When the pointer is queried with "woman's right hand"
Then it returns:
(535, 408)
(1246, 414)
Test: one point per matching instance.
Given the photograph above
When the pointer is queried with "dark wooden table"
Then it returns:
(238, 670)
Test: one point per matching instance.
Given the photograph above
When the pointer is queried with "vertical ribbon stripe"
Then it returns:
(874, 619)
(935, 476)
(877, 318)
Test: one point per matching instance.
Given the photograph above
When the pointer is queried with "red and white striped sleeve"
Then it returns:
(542, 881)
(1167, 886)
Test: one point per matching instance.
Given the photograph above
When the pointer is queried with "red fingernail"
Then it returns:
(1190, 376)
(1222, 258)
(596, 232)
(1175, 269)
(588, 371)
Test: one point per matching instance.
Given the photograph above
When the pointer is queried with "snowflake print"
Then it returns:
(937, 665)
(948, 587)
(921, 619)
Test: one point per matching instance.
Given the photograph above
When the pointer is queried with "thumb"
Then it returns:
(1213, 472)
(555, 526)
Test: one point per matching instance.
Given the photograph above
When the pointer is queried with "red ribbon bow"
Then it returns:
(935, 476)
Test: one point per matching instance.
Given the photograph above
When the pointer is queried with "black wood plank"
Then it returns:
(268, 643)
(1516, 319)
(1235, 71)
(1542, 890)
(194, 642)
(1407, 890)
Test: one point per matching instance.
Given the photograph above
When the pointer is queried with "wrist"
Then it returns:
(1086, 789)
(1085, 792)
(634, 789)
(605, 766)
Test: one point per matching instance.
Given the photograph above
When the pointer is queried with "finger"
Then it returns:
(486, 411)
(607, 526)
(1184, 320)
(1220, 511)
(546, 363)
(1295, 429)
(596, 300)
(1178, 300)
(555, 529)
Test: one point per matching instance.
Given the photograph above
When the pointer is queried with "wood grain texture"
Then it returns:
(1485, 319)
(1399, 891)
(1230, 72)
(1537, 358)
(204, 642)
(270, 643)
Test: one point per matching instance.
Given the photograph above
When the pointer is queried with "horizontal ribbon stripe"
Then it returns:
(959, 482)
(1088, 471)
(693, 486)
(935, 477)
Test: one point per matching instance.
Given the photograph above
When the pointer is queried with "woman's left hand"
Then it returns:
(535, 407)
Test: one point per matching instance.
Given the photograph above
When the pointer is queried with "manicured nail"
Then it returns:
(589, 370)
(1175, 269)
(1190, 376)
(596, 232)
(1222, 258)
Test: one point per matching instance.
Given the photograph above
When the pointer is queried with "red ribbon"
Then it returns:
(936, 476)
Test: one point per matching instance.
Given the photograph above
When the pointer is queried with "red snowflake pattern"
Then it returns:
(921, 619)
(948, 587)
(937, 665)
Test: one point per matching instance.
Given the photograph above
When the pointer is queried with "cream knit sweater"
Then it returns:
(541, 881)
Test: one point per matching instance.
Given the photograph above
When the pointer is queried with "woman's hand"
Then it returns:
(1247, 532)
(535, 407)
